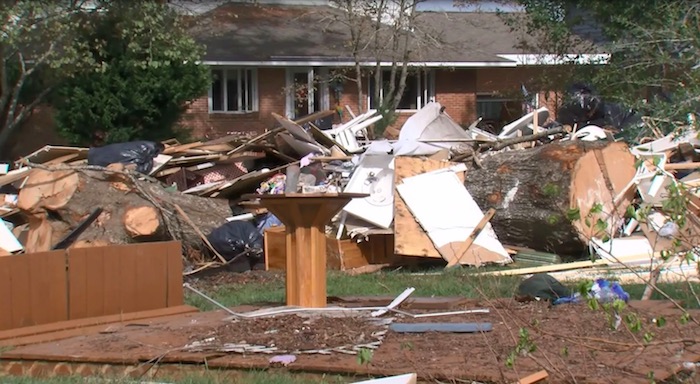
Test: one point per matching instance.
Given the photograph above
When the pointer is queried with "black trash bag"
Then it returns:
(235, 238)
(140, 153)
(619, 117)
(581, 106)
(541, 286)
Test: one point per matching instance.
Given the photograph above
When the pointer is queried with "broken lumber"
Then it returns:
(537, 193)
(142, 222)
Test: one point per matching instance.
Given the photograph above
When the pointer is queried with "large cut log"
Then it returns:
(538, 193)
(142, 222)
(99, 189)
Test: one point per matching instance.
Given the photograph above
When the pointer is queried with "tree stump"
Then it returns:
(536, 193)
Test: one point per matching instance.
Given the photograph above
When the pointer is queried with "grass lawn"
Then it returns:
(451, 283)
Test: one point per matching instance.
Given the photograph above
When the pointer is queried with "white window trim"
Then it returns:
(311, 74)
(224, 102)
(427, 93)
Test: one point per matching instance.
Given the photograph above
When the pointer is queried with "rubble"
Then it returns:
(538, 193)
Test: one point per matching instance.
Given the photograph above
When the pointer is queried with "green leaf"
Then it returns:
(573, 214)
(596, 208)
(601, 225)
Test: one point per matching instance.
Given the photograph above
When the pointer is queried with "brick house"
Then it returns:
(268, 57)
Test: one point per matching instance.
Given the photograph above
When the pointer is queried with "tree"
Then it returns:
(37, 49)
(148, 71)
(654, 60)
(384, 31)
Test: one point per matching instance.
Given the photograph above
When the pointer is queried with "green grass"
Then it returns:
(452, 283)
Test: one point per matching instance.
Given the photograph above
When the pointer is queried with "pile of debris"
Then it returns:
(438, 192)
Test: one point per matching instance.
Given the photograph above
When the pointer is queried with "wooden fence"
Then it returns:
(46, 287)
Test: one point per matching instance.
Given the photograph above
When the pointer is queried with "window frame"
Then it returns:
(224, 84)
(425, 95)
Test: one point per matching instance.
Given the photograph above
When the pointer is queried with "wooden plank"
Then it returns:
(410, 238)
(111, 280)
(20, 291)
(6, 293)
(65, 329)
(470, 240)
(128, 294)
(446, 229)
(563, 266)
(275, 248)
(534, 378)
(151, 275)
(49, 289)
(77, 283)
(174, 294)
(95, 273)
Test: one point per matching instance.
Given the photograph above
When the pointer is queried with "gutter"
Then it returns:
(513, 60)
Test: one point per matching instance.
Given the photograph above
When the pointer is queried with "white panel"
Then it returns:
(446, 211)
(374, 176)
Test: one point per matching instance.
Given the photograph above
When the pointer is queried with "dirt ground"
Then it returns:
(573, 342)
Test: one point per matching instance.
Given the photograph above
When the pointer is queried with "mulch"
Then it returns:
(288, 333)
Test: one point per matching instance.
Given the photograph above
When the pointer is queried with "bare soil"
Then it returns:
(288, 333)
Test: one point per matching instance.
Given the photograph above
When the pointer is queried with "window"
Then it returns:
(418, 92)
(233, 90)
(497, 112)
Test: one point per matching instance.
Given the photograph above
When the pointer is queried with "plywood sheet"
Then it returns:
(449, 217)
(151, 276)
(409, 238)
(33, 289)
(175, 296)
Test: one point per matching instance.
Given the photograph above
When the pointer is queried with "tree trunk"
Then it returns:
(537, 191)
(96, 189)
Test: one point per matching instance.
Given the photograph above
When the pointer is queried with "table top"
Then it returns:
(283, 196)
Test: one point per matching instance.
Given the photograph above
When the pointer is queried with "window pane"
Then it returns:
(409, 98)
(249, 90)
(217, 99)
(232, 90)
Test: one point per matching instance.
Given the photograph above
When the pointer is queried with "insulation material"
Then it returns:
(449, 214)
(8, 241)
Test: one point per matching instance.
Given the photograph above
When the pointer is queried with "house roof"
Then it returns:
(293, 34)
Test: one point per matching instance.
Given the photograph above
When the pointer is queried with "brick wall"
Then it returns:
(205, 125)
(456, 89)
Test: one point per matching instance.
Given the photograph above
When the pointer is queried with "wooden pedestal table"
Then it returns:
(305, 217)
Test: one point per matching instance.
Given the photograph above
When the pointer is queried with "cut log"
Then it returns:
(142, 222)
(89, 244)
(47, 190)
(536, 192)
(41, 234)
(94, 189)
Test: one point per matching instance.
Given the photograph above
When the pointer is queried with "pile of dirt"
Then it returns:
(289, 332)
